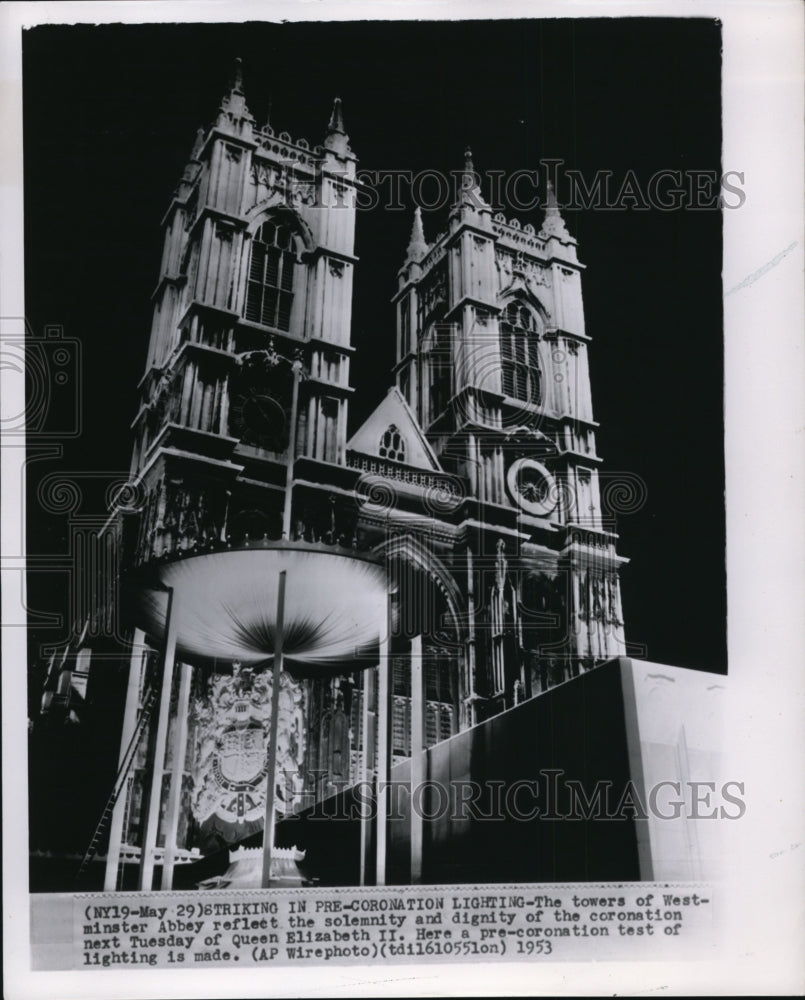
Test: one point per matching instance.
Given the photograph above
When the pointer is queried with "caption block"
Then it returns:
(362, 926)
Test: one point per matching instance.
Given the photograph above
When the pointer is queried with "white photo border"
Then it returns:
(765, 472)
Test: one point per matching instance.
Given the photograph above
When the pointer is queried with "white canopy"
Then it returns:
(225, 606)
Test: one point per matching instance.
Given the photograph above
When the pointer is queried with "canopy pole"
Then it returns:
(383, 769)
(271, 775)
(367, 766)
(419, 758)
(148, 851)
(178, 763)
(116, 831)
(289, 468)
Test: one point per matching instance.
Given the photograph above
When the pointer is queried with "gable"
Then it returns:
(392, 432)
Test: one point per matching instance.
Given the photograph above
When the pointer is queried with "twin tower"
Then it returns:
(476, 479)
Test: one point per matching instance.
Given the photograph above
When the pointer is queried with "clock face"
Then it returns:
(532, 487)
(260, 420)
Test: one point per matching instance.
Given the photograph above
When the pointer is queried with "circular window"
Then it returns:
(532, 487)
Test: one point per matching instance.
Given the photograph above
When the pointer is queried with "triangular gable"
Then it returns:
(395, 412)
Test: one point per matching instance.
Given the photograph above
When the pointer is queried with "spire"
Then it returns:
(553, 224)
(336, 122)
(469, 192)
(417, 245)
(236, 87)
(336, 138)
(268, 116)
(469, 182)
(233, 111)
(551, 206)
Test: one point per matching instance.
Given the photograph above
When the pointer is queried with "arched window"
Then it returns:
(519, 362)
(440, 368)
(269, 293)
(392, 445)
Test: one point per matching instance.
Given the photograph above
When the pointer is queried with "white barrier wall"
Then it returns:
(675, 735)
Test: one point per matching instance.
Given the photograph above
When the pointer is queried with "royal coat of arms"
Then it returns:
(231, 745)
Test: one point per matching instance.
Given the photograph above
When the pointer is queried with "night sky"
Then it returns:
(110, 117)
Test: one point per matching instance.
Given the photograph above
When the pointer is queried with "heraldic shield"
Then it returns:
(232, 713)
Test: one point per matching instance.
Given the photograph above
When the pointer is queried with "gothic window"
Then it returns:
(401, 707)
(586, 512)
(134, 808)
(433, 294)
(401, 728)
(356, 712)
(441, 370)
(334, 746)
(499, 615)
(405, 328)
(439, 710)
(437, 675)
(440, 721)
(269, 293)
(497, 627)
(392, 445)
(519, 363)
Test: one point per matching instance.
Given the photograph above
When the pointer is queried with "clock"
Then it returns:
(260, 420)
(532, 487)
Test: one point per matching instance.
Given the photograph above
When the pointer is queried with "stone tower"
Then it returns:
(239, 439)
(492, 359)
(248, 359)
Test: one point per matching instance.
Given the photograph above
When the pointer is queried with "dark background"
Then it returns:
(110, 115)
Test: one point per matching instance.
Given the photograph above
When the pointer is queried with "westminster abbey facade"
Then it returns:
(475, 480)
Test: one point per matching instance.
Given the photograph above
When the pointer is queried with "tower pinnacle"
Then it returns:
(233, 111)
(469, 192)
(198, 145)
(336, 122)
(237, 79)
(553, 224)
(417, 245)
(336, 138)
